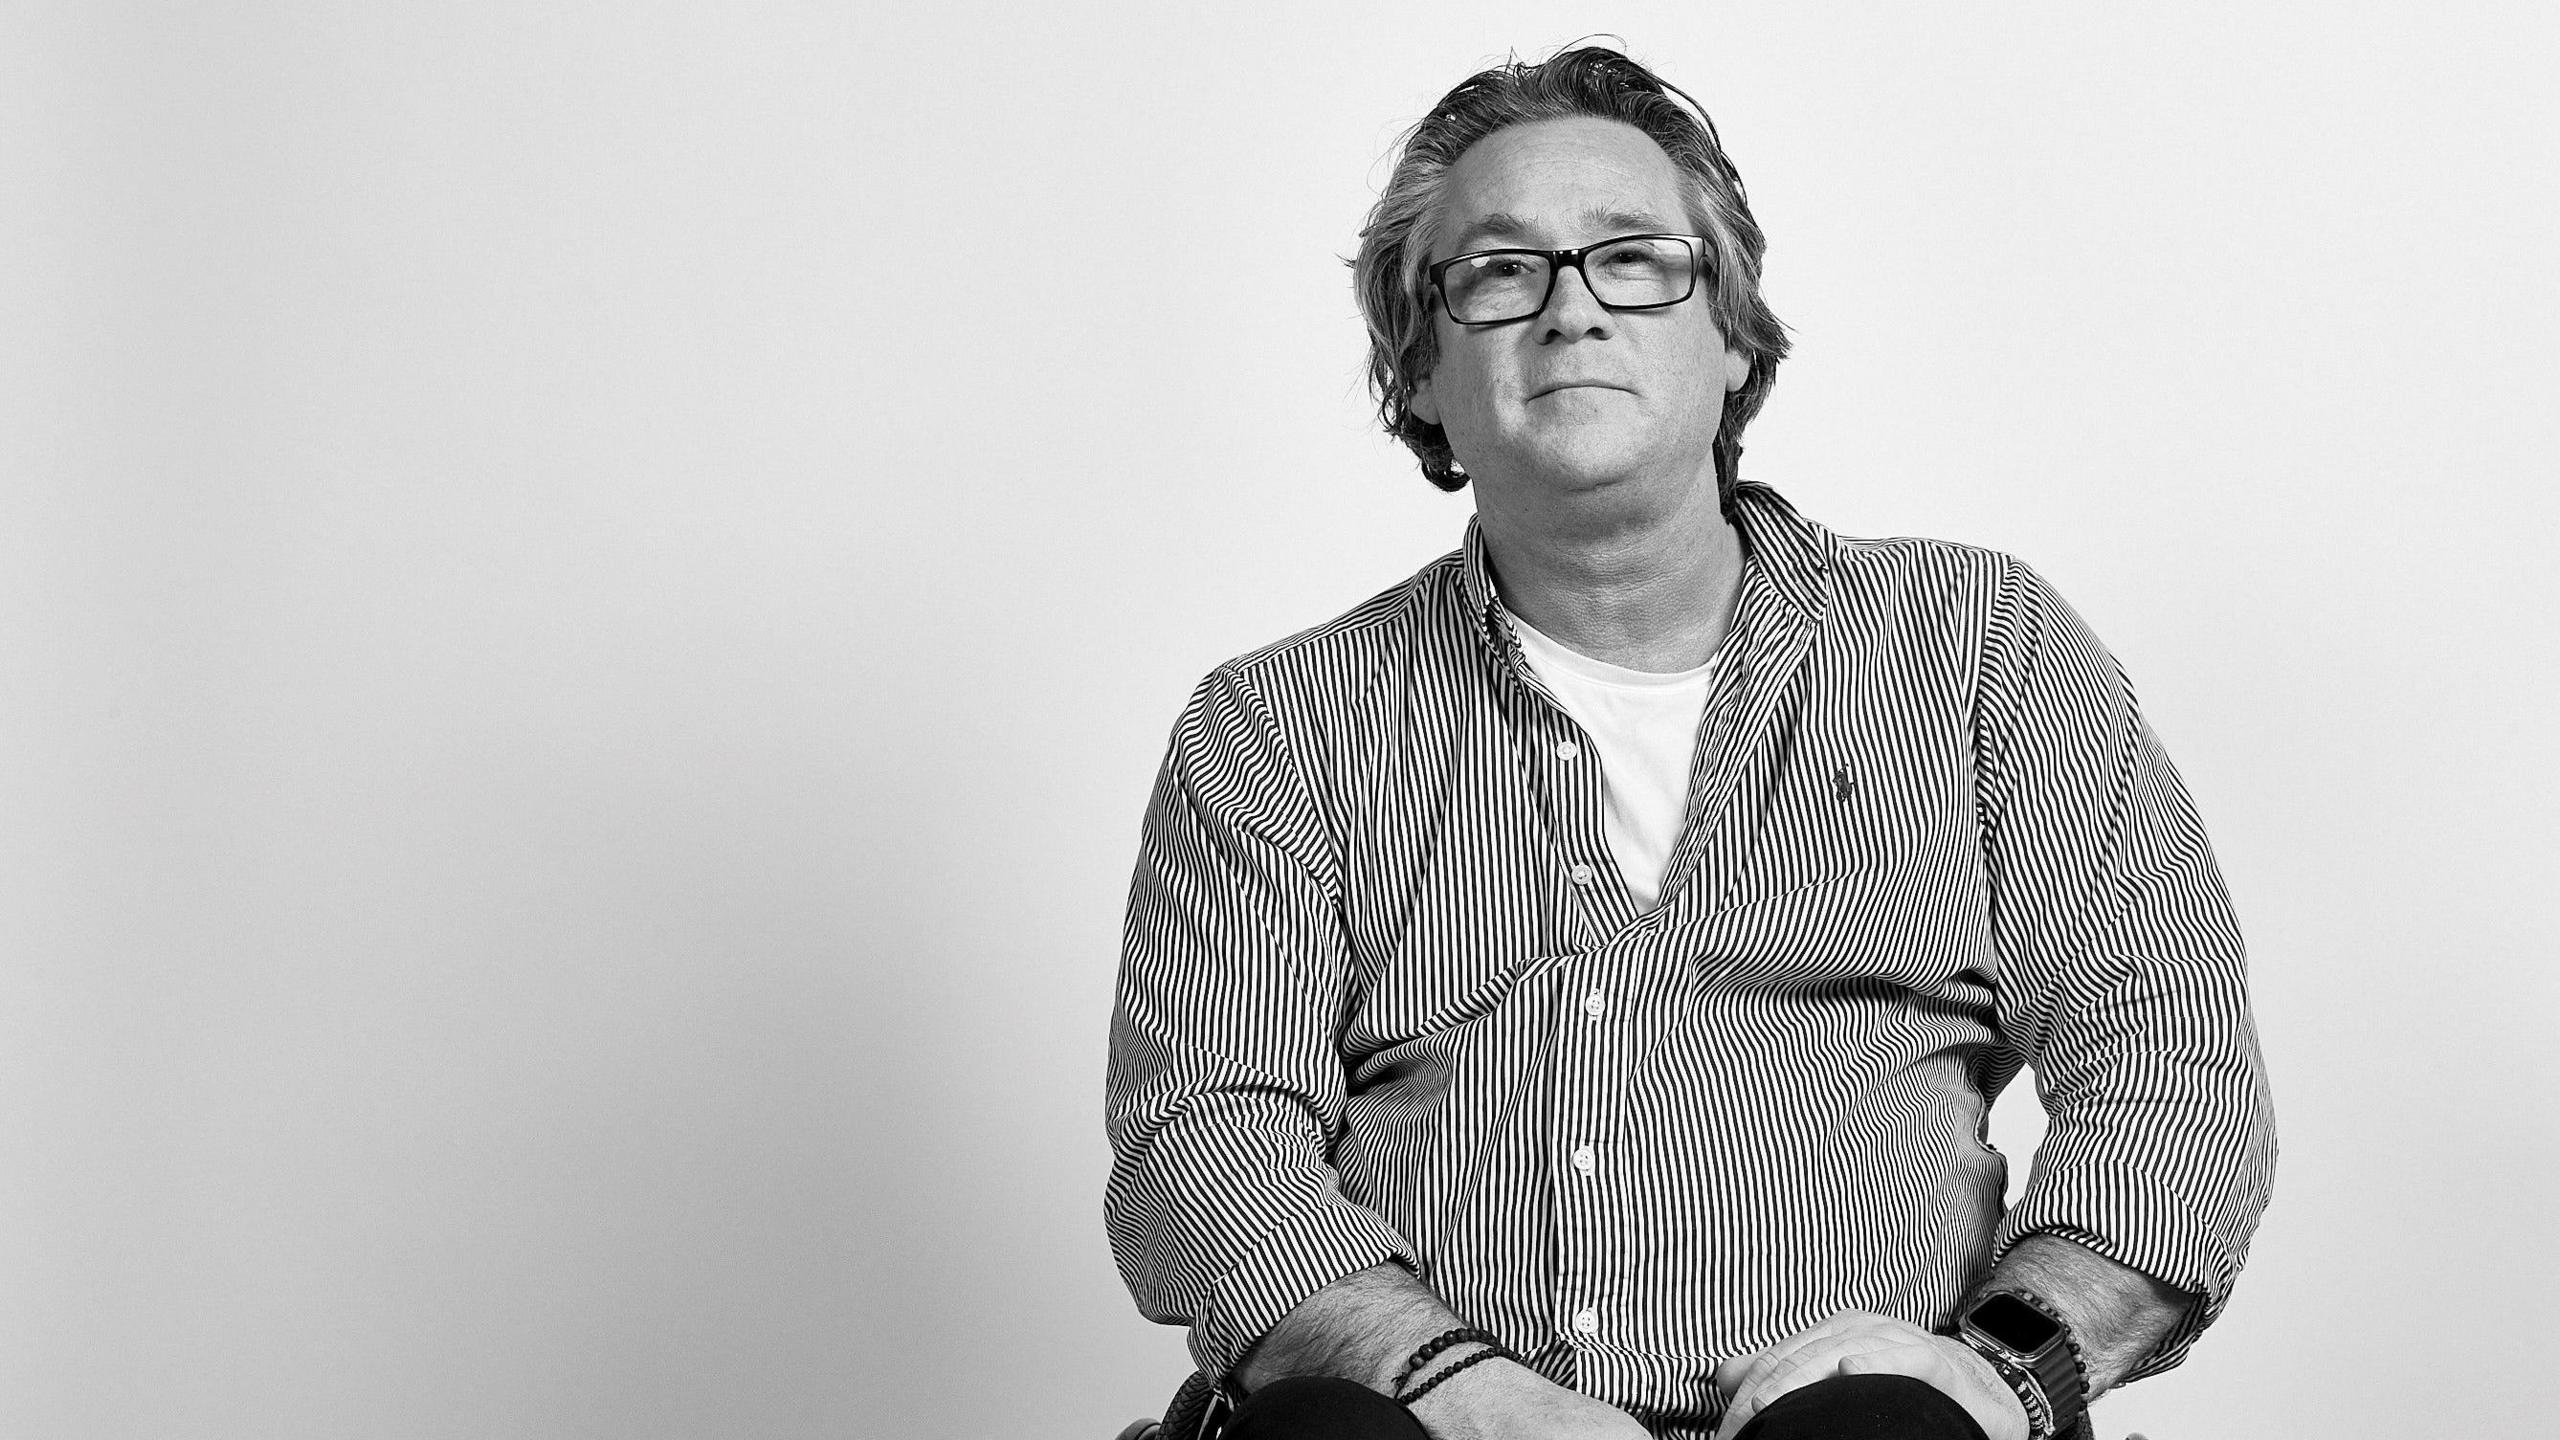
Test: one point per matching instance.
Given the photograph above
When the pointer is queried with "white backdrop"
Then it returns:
(589, 595)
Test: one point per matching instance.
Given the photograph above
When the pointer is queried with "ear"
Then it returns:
(1424, 405)
(1737, 370)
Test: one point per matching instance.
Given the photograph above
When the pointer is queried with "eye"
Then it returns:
(1634, 257)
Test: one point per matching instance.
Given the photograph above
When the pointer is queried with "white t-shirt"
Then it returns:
(1645, 726)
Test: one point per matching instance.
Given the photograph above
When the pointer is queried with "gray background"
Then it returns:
(589, 595)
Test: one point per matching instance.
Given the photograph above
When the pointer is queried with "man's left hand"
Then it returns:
(1856, 1343)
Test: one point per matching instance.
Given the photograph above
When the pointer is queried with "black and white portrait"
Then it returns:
(624, 711)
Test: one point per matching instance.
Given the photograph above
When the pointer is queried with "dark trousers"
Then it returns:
(1844, 1407)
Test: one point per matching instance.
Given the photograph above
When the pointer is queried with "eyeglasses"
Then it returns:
(1631, 272)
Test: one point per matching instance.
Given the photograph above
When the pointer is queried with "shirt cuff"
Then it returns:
(2148, 1229)
(1291, 1263)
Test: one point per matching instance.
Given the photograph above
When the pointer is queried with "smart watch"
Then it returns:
(2034, 1351)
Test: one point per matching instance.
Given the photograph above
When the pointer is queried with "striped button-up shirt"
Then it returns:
(1384, 995)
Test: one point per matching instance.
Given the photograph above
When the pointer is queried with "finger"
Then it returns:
(1920, 1362)
(1885, 1353)
(1750, 1383)
(1737, 1373)
(1739, 1379)
(1773, 1377)
(1728, 1376)
(1737, 1376)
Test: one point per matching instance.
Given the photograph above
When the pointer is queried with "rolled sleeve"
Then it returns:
(2122, 981)
(1226, 1083)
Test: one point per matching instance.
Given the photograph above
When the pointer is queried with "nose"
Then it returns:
(1572, 311)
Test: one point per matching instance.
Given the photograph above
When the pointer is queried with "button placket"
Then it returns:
(1590, 1224)
(1581, 1240)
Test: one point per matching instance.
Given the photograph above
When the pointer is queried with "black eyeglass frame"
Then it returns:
(1701, 252)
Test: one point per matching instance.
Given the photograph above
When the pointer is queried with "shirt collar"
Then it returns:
(1792, 554)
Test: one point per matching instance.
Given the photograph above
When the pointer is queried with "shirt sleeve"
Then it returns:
(2121, 975)
(1226, 1083)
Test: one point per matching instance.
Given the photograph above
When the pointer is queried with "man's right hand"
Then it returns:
(1500, 1400)
(1362, 1326)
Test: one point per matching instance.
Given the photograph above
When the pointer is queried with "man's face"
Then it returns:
(1579, 397)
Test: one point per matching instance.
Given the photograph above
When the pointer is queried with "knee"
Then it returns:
(1316, 1407)
(1863, 1407)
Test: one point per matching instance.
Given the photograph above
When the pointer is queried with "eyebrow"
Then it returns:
(1503, 225)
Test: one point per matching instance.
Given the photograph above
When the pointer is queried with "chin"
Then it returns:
(1568, 460)
(1588, 467)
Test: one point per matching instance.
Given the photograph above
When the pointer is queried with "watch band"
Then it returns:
(2052, 1383)
(2025, 1386)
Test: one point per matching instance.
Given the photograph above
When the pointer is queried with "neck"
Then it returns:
(1648, 591)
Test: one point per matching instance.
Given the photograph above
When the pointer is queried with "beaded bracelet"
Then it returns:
(1438, 1343)
(1491, 1352)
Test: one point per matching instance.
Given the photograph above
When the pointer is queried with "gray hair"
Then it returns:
(1592, 81)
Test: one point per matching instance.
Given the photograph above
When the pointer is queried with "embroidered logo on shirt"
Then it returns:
(1843, 784)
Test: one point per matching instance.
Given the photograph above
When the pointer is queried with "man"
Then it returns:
(1565, 993)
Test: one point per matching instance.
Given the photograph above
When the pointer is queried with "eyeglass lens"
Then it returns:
(1641, 270)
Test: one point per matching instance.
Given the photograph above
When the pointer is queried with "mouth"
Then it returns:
(1544, 391)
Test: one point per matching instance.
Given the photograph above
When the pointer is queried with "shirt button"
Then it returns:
(1585, 1161)
(1594, 1003)
(1588, 1322)
(1584, 874)
(1567, 750)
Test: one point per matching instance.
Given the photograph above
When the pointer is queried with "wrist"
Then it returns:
(1444, 1359)
(2025, 1398)
(2119, 1317)
(1364, 1327)
(2031, 1348)
(1454, 1343)
(1474, 1381)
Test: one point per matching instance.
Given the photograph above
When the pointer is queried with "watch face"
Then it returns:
(2014, 1323)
